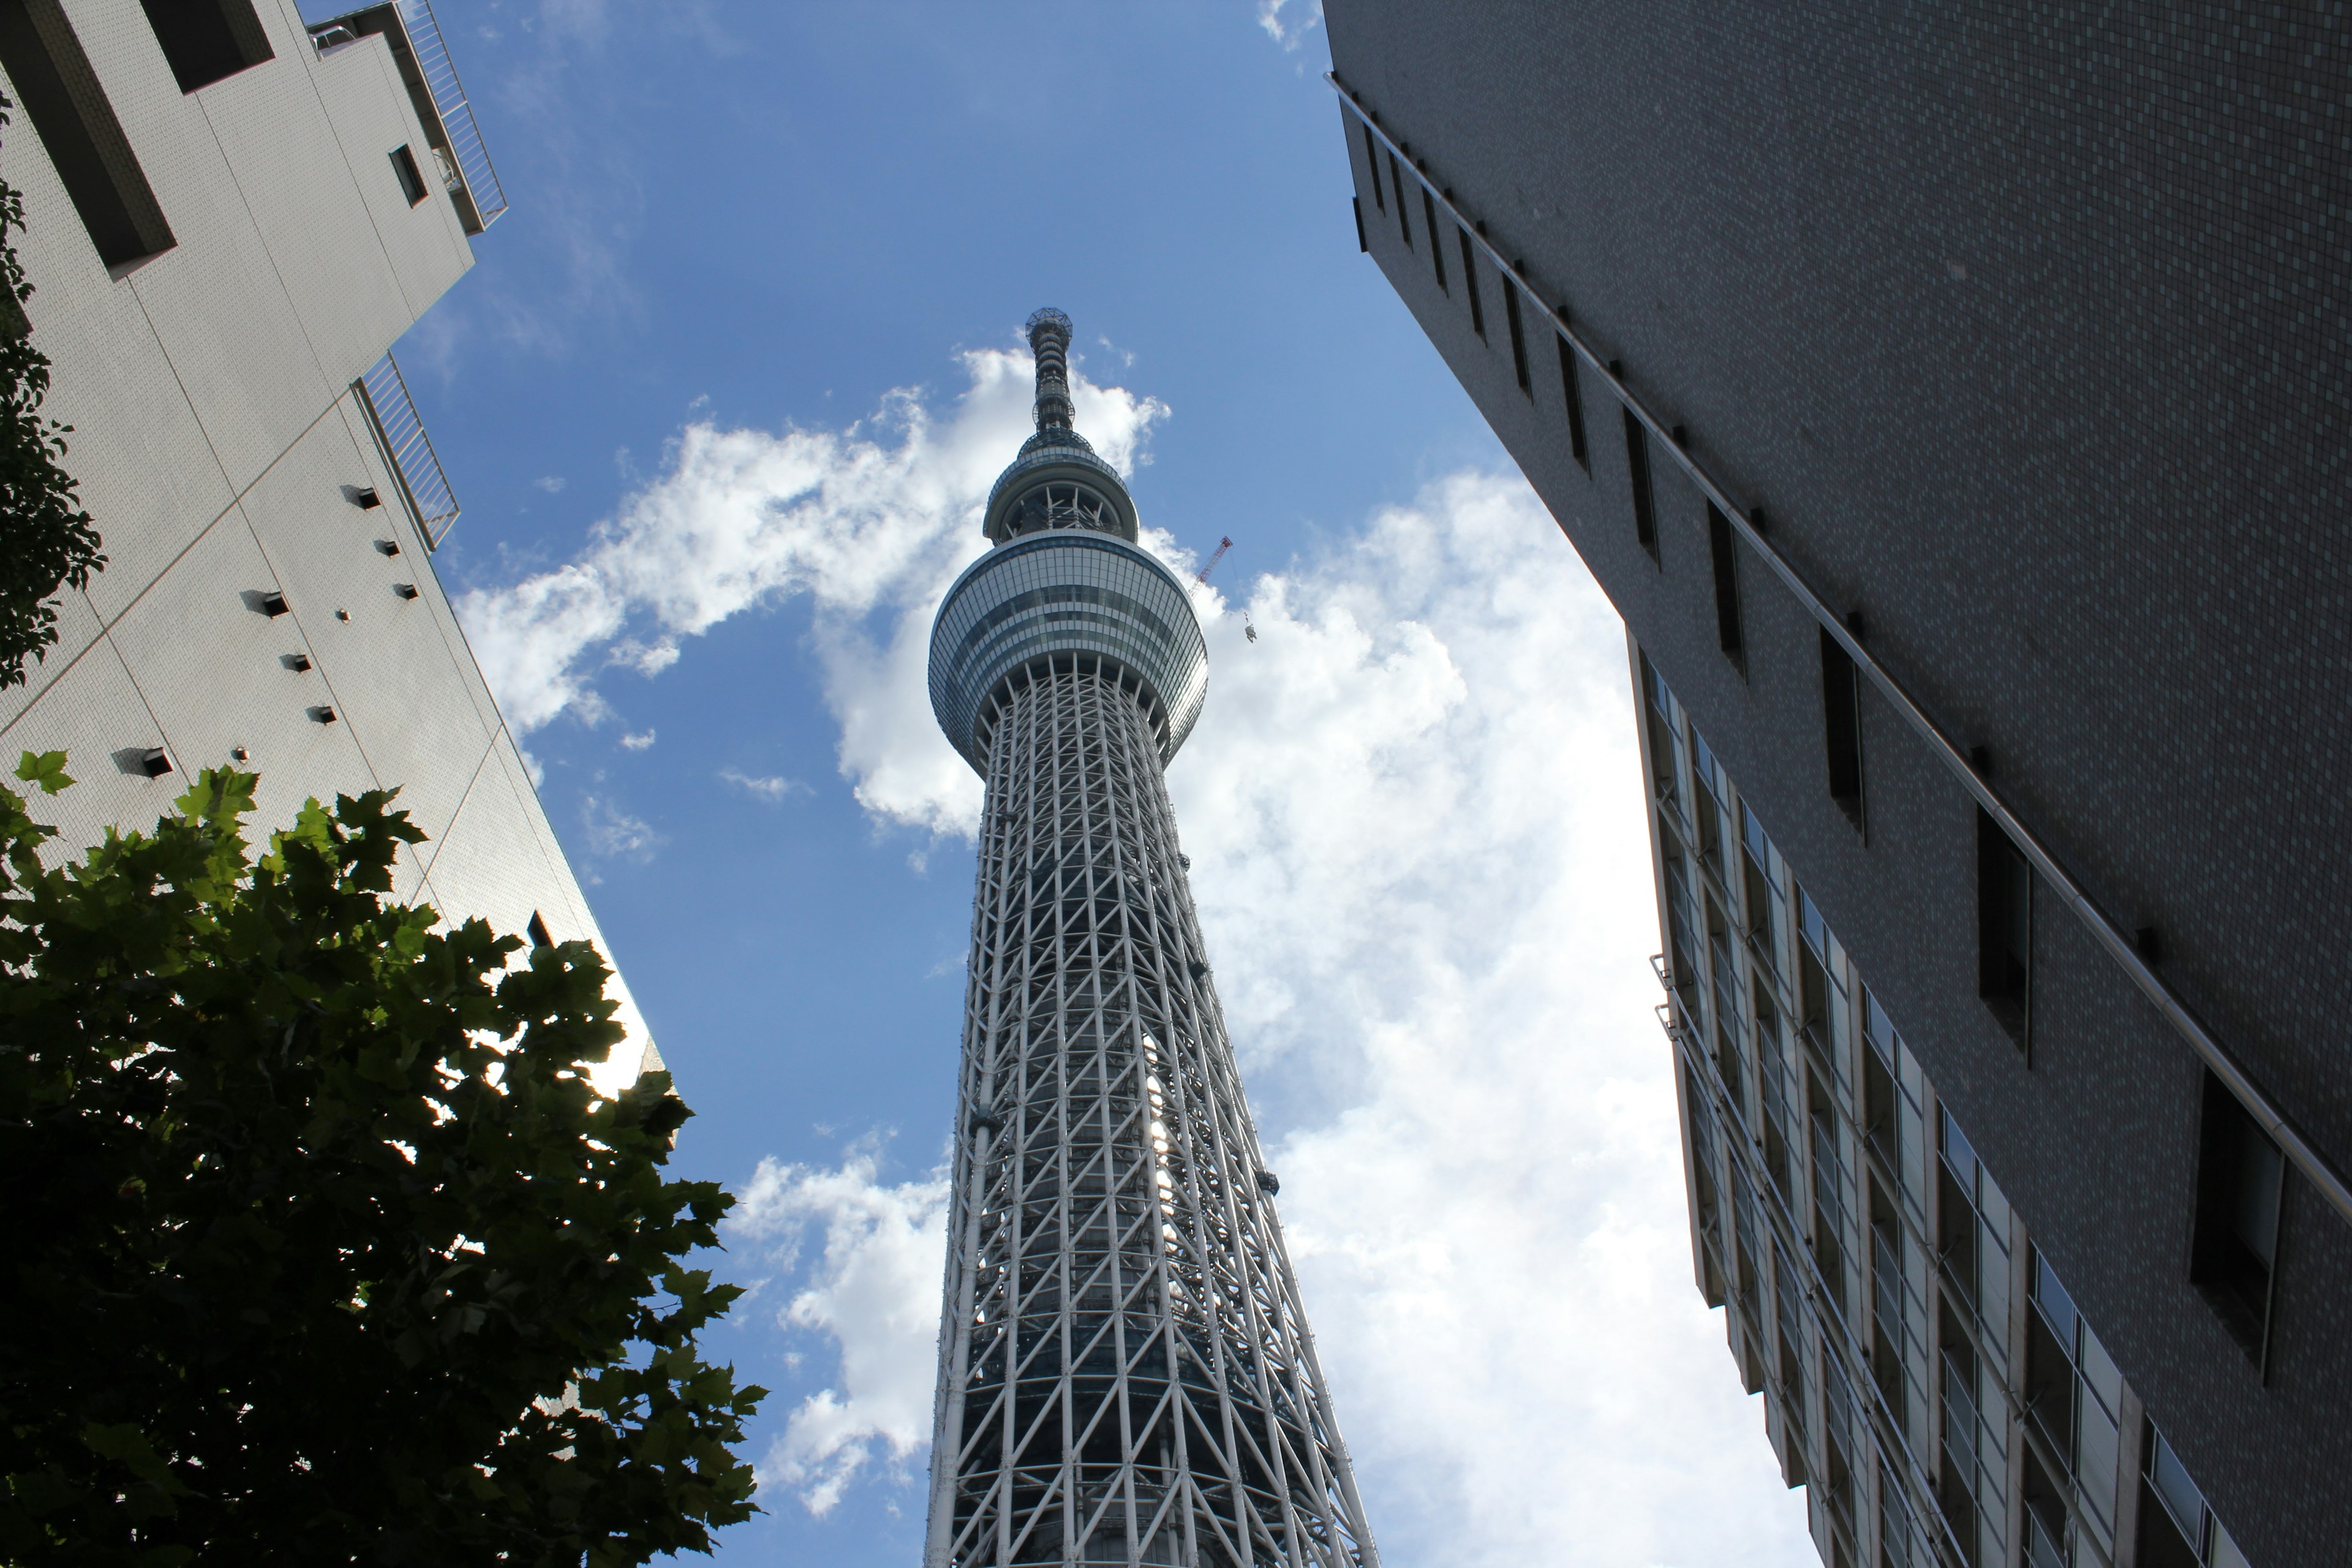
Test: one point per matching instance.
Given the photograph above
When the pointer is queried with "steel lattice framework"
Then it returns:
(1126, 1375)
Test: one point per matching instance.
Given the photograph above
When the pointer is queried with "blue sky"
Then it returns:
(720, 398)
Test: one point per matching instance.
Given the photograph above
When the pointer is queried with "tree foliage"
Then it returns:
(46, 541)
(322, 1249)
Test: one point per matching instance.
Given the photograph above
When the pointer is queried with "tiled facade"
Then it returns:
(252, 610)
(1954, 400)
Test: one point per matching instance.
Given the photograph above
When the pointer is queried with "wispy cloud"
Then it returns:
(551, 483)
(614, 833)
(1292, 33)
(641, 741)
(877, 517)
(874, 1293)
(773, 789)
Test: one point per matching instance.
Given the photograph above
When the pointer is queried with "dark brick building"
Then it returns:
(1954, 400)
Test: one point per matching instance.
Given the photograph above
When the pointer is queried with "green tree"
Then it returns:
(322, 1248)
(46, 541)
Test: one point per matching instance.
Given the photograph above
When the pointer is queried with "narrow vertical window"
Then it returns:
(1470, 282)
(1436, 251)
(1723, 554)
(206, 41)
(2233, 1253)
(1373, 164)
(1404, 218)
(2004, 929)
(1356, 206)
(1519, 334)
(1637, 468)
(1842, 725)
(1572, 393)
(62, 96)
(411, 181)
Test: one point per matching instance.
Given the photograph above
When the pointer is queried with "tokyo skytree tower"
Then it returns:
(1125, 1372)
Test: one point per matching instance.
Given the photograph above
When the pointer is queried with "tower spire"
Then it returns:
(1049, 340)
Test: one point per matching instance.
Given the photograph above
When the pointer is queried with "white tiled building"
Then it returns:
(230, 217)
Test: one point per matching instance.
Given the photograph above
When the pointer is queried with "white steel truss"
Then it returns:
(1125, 1376)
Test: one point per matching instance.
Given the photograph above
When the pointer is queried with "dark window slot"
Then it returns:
(70, 111)
(1404, 218)
(1572, 393)
(1519, 334)
(538, 929)
(1842, 725)
(1723, 553)
(1637, 466)
(1356, 206)
(1470, 283)
(206, 41)
(2004, 929)
(1372, 162)
(2233, 1253)
(412, 179)
(1436, 251)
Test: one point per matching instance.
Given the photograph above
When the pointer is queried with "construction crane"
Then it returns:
(1223, 545)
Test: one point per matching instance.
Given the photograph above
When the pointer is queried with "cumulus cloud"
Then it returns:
(872, 523)
(874, 1292)
(642, 741)
(773, 789)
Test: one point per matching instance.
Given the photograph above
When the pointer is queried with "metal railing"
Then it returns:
(415, 466)
(456, 115)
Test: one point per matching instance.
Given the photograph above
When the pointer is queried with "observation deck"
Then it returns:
(1066, 585)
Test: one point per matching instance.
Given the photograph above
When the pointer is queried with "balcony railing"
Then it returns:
(473, 159)
(409, 450)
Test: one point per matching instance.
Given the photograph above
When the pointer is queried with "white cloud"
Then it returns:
(638, 743)
(551, 483)
(774, 790)
(1291, 34)
(875, 1293)
(877, 518)
(615, 835)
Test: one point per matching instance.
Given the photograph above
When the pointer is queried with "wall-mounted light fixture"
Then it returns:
(239, 754)
(367, 499)
(406, 590)
(388, 547)
(298, 661)
(323, 715)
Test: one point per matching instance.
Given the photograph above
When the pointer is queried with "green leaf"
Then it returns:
(47, 769)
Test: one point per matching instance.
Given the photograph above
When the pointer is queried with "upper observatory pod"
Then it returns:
(1066, 585)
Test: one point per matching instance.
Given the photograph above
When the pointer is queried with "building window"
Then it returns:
(1356, 206)
(1436, 251)
(2076, 1396)
(2234, 1250)
(2004, 929)
(207, 40)
(61, 94)
(1842, 725)
(1723, 552)
(1470, 282)
(1372, 162)
(1572, 393)
(1404, 219)
(2176, 1527)
(1637, 465)
(1519, 334)
(412, 180)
